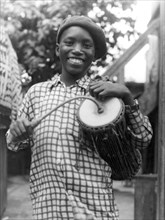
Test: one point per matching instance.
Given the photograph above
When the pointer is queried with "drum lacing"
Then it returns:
(113, 146)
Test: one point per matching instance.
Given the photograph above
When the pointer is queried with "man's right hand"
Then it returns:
(20, 130)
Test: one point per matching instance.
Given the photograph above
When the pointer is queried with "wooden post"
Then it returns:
(161, 123)
(3, 171)
(145, 197)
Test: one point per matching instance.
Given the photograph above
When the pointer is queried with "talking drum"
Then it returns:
(106, 131)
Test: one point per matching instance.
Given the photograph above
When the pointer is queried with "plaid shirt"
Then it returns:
(58, 189)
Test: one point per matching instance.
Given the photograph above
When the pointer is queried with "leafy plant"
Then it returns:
(33, 25)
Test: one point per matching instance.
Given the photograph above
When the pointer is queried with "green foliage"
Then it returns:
(33, 27)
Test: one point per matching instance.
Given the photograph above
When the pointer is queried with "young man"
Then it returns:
(58, 189)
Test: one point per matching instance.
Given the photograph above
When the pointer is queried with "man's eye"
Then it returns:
(87, 45)
(69, 43)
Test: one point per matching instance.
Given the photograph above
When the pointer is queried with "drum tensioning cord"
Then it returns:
(123, 158)
(36, 122)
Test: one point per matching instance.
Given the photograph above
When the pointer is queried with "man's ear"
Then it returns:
(57, 50)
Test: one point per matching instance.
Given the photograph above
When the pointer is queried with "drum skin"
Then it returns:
(106, 132)
(88, 114)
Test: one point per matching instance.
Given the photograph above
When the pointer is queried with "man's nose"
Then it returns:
(77, 48)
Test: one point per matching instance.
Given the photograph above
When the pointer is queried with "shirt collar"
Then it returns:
(83, 82)
(55, 80)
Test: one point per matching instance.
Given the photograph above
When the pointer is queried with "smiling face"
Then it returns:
(76, 51)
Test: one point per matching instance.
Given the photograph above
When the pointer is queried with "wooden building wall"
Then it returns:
(161, 119)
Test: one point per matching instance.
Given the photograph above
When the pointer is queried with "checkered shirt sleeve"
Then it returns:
(25, 109)
(138, 128)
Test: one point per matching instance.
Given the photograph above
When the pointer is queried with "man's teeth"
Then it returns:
(76, 61)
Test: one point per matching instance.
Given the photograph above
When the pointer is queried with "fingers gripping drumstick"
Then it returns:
(35, 122)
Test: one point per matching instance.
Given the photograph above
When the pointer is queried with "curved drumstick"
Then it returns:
(35, 122)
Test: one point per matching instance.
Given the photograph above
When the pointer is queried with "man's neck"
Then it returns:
(68, 80)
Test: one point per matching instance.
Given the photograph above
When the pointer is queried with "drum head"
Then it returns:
(88, 112)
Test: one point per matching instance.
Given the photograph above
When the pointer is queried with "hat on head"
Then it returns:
(95, 31)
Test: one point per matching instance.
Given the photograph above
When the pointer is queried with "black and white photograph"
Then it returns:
(82, 110)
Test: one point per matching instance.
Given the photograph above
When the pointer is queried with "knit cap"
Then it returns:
(94, 30)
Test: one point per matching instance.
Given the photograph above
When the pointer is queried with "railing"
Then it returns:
(117, 68)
